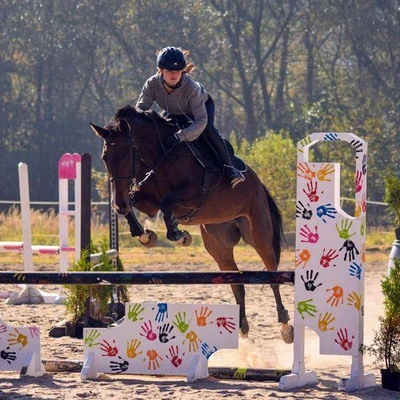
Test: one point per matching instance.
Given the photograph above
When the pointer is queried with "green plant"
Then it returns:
(392, 195)
(77, 295)
(386, 343)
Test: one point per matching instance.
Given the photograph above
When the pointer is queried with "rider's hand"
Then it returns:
(173, 141)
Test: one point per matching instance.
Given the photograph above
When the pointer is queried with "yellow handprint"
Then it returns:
(324, 321)
(323, 172)
(353, 299)
(131, 348)
(193, 341)
(17, 337)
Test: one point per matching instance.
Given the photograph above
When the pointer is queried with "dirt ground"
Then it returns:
(262, 349)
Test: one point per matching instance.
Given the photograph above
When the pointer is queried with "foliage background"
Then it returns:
(276, 70)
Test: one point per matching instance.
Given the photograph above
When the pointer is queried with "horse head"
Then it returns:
(119, 158)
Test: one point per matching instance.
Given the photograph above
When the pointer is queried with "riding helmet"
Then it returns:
(171, 58)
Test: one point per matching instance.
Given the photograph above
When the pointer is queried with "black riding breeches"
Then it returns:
(210, 133)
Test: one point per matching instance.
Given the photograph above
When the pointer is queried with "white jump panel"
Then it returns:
(330, 261)
(161, 339)
(20, 350)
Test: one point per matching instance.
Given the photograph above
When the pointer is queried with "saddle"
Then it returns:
(205, 154)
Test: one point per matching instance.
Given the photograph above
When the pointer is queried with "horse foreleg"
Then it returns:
(219, 240)
(134, 226)
(173, 232)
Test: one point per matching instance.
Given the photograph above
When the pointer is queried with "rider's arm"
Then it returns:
(146, 97)
(196, 98)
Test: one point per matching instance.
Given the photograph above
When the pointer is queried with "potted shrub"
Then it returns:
(392, 198)
(89, 305)
(386, 343)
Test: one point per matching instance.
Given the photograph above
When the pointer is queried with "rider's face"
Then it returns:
(171, 77)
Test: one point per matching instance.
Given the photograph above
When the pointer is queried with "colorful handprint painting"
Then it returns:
(330, 256)
(20, 350)
(162, 339)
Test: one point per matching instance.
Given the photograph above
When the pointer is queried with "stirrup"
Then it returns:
(234, 177)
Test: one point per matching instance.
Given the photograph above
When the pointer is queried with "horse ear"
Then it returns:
(99, 131)
(124, 126)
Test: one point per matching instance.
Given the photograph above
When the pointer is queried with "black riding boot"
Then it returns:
(232, 175)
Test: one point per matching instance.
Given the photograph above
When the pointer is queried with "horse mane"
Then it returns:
(129, 112)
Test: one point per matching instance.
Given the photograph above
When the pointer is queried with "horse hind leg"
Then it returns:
(259, 234)
(219, 240)
(287, 330)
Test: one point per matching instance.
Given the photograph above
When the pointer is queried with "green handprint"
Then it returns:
(304, 142)
(91, 337)
(305, 307)
(344, 231)
(240, 373)
(181, 323)
(363, 226)
(134, 311)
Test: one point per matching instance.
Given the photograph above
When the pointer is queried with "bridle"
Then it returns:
(136, 160)
(135, 157)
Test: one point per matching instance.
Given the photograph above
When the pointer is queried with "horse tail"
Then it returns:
(277, 226)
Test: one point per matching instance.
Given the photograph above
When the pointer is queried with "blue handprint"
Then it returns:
(326, 211)
(162, 312)
(331, 136)
(355, 270)
(207, 352)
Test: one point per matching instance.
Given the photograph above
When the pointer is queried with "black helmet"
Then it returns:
(171, 58)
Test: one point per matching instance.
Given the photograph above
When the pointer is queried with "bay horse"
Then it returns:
(147, 176)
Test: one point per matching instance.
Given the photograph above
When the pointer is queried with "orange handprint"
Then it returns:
(303, 258)
(153, 359)
(305, 171)
(202, 318)
(336, 295)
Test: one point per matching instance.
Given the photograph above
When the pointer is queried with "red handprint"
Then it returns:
(109, 350)
(328, 257)
(359, 181)
(343, 341)
(148, 331)
(224, 323)
(311, 237)
(312, 192)
(176, 361)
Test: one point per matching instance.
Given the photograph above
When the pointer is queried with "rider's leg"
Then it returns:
(233, 176)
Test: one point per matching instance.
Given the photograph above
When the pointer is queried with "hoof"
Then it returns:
(185, 240)
(287, 333)
(148, 238)
(244, 327)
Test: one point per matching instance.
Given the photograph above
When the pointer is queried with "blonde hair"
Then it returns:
(189, 63)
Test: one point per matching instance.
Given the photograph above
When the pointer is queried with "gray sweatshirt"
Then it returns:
(188, 99)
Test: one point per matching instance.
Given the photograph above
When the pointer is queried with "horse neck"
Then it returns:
(148, 137)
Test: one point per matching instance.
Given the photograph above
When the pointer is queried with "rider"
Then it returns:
(181, 98)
